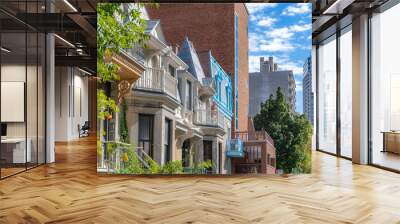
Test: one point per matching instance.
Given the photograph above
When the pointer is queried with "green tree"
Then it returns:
(291, 133)
(118, 28)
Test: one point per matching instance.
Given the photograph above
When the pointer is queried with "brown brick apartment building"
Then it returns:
(212, 26)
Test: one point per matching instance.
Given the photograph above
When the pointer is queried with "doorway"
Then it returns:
(220, 158)
(207, 153)
(186, 155)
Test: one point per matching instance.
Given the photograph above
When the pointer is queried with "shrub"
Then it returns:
(172, 167)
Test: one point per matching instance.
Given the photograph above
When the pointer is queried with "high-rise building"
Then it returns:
(266, 82)
(308, 94)
(227, 38)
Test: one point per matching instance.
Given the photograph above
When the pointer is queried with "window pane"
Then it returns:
(15, 151)
(327, 96)
(31, 100)
(346, 94)
(385, 88)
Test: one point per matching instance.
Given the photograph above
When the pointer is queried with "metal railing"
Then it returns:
(209, 117)
(253, 136)
(112, 160)
(159, 81)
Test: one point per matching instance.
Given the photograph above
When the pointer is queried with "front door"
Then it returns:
(186, 157)
(167, 141)
(146, 133)
(207, 152)
(220, 158)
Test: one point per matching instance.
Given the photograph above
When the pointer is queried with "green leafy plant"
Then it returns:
(172, 167)
(154, 168)
(291, 133)
(131, 162)
(105, 105)
(99, 149)
(123, 127)
(205, 165)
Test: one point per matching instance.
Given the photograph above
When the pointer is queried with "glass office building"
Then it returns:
(22, 64)
(45, 78)
(358, 81)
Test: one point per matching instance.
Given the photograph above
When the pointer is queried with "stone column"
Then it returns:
(50, 98)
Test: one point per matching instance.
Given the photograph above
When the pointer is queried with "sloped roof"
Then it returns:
(204, 57)
(189, 55)
(153, 27)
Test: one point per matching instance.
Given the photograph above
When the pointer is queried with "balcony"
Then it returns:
(236, 149)
(207, 88)
(259, 153)
(209, 117)
(157, 80)
(130, 69)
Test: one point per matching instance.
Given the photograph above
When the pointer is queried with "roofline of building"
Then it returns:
(247, 10)
(274, 71)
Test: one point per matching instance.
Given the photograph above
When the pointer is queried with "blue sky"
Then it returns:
(281, 30)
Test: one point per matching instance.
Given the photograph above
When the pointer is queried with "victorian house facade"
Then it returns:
(210, 109)
(181, 108)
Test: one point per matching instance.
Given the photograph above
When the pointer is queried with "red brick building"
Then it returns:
(213, 26)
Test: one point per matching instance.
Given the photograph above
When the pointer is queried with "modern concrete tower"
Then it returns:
(265, 83)
(308, 94)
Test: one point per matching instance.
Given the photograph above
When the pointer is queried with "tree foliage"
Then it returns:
(118, 27)
(291, 133)
(123, 126)
(104, 105)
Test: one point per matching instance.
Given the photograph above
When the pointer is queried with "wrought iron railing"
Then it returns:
(115, 155)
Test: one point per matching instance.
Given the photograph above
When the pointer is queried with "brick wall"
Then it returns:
(210, 26)
(243, 66)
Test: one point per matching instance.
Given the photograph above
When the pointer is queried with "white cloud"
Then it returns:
(295, 67)
(266, 22)
(276, 45)
(284, 63)
(283, 32)
(287, 32)
(299, 86)
(300, 28)
(300, 8)
(254, 41)
(254, 63)
(255, 7)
